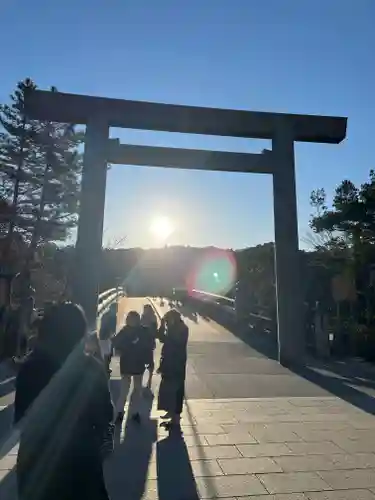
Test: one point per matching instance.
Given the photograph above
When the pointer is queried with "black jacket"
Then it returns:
(132, 344)
(64, 413)
(151, 331)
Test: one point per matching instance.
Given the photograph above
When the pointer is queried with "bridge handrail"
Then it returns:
(108, 297)
(106, 292)
(230, 301)
(213, 295)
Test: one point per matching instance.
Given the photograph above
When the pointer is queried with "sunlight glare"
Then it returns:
(161, 227)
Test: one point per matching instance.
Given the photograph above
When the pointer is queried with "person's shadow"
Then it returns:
(188, 313)
(175, 476)
(8, 375)
(8, 485)
(7, 385)
(127, 469)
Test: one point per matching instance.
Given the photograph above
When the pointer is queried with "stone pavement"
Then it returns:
(279, 448)
(251, 429)
(304, 445)
(274, 448)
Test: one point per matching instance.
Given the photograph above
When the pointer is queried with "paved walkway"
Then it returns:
(251, 429)
(294, 448)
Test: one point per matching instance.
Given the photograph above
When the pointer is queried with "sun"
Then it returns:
(161, 227)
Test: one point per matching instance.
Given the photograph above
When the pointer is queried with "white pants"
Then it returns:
(136, 396)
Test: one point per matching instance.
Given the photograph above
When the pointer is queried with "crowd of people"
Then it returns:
(63, 404)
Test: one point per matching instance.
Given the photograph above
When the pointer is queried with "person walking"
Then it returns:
(64, 412)
(107, 330)
(150, 321)
(132, 346)
(173, 333)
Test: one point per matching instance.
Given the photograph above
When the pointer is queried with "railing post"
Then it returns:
(288, 297)
(91, 216)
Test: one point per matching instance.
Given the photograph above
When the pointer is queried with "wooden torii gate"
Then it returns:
(99, 114)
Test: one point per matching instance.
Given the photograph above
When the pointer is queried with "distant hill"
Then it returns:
(156, 271)
(211, 268)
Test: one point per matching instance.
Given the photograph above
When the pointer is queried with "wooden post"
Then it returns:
(291, 335)
(90, 228)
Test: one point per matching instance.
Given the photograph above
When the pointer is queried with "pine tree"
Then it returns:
(53, 207)
(40, 172)
(17, 161)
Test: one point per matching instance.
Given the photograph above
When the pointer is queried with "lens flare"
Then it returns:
(215, 273)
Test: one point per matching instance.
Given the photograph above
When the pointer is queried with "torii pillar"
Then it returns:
(287, 259)
(88, 260)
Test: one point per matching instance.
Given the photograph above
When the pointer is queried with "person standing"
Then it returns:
(150, 321)
(132, 346)
(173, 333)
(10, 328)
(64, 411)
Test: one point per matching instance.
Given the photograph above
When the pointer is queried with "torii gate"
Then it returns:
(99, 114)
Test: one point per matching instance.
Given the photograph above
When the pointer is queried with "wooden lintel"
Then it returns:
(192, 159)
(80, 109)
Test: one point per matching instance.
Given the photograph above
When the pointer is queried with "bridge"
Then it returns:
(251, 428)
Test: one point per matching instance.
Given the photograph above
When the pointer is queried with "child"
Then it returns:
(151, 323)
(131, 344)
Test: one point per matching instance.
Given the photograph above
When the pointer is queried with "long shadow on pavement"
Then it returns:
(8, 435)
(187, 312)
(340, 387)
(7, 386)
(6, 422)
(254, 338)
(8, 484)
(127, 470)
(175, 476)
(7, 379)
(337, 378)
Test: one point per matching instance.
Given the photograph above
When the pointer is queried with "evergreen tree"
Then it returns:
(17, 159)
(40, 172)
(53, 207)
(352, 212)
(352, 219)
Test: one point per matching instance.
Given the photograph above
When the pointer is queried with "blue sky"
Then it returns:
(298, 56)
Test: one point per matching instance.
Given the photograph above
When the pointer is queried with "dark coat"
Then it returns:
(173, 368)
(152, 332)
(11, 323)
(64, 413)
(174, 351)
(132, 344)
